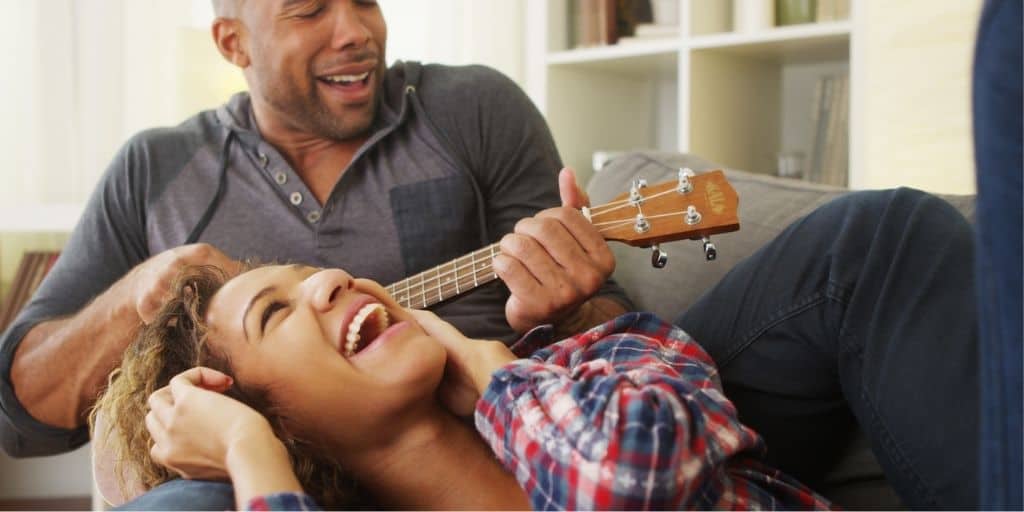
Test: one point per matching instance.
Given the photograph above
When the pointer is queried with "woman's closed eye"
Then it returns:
(272, 307)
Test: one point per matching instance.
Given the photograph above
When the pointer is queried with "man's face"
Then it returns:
(317, 64)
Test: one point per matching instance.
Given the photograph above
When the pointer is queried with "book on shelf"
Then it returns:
(607, 22)
(832, 10)
(32, 268)
(651, 32)
(829, 163)
(594, 23)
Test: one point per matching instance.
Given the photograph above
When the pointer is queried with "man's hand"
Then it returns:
(61, 365)
(553, 261)
(149, 282)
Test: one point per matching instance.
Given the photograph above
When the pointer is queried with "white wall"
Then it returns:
(915, 105)
(458, 32)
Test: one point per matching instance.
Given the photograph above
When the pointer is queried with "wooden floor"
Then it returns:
(69, 503)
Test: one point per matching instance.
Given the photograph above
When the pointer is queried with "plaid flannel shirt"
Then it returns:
(626, 416)
(629, 415)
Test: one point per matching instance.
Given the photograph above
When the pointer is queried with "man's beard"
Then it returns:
(309, 113)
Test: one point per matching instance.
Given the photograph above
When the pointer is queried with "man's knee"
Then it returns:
(902, 209)
(185, 495)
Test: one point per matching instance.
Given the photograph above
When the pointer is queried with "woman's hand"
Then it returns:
(194, 427)
(470, 363)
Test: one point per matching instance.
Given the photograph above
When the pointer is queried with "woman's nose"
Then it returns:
(324, 288)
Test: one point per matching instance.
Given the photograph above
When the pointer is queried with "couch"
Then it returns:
(767, 205)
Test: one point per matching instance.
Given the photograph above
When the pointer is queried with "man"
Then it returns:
(332, 159)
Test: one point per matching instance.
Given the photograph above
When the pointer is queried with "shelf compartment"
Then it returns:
(660, 56)
(791, 44)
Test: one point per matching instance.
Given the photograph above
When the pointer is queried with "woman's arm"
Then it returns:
(200, 433)
(627, 415)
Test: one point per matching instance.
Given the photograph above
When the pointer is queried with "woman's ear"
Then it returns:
(229, 36)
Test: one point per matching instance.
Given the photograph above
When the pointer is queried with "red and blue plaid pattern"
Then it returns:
(627, 416)
(282, 501)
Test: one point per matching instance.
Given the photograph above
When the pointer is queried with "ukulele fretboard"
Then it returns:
(445, 281)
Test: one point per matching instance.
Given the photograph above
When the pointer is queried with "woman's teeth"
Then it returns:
(378, 322)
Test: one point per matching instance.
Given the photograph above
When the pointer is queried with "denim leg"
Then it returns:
(997, 90)
(861, 313)
(185, 495)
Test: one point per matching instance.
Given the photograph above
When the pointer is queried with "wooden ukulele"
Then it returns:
(694, 207)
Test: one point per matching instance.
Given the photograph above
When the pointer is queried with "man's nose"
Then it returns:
(350, 29)
(324, 288)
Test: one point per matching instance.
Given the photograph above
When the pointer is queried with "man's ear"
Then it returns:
(229, 36)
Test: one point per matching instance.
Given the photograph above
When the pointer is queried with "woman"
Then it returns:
(309, 381)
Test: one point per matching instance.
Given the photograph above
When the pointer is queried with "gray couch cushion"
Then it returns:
(767, 205)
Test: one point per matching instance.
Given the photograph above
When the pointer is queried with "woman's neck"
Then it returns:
(438, 463)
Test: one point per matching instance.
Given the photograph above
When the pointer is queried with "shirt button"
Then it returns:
(296, 198)
(281, 178)
(263, 159)
(313, 216)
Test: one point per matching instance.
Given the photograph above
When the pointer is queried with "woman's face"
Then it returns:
(337, 355)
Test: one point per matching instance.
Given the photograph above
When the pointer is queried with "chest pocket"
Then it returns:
(436, 221)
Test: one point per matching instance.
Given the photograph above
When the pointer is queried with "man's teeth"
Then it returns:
(347, 79)
(376, 313)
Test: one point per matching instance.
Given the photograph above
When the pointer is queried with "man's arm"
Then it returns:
(553, 261)
(60, 366)
(57, 353)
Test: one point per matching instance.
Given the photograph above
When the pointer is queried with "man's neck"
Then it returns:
(439, 463)
(318, 161)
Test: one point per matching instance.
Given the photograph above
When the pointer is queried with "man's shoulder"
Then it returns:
(195, 131)
(463, 81)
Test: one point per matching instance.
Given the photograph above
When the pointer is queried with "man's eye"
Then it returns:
(311, 12)
(272, 308)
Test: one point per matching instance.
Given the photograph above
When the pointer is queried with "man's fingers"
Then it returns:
(552, 236)
(543, 298)
(587, 236)
(569, 190)
(534, 258)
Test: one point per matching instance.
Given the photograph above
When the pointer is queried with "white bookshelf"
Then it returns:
(735, 98)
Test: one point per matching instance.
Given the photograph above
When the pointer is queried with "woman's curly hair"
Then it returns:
(174, 342)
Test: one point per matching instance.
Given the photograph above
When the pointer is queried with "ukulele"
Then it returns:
(693, 207)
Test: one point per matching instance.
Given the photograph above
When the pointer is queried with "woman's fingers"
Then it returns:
(444, 332)
(202, 377)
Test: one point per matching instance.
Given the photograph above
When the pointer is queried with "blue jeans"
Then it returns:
(185, 495)
(860, 314)
(997, 142)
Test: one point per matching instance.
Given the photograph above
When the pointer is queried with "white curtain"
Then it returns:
(81, 76)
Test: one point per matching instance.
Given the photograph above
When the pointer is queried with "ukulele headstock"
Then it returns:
(692, 207)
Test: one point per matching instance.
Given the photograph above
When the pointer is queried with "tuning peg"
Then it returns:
(710, 252)
(692, 215)
(634, 191)
(684, 181)
(658, 257)
(641, 225)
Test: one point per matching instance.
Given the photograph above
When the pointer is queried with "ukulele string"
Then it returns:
(478, 266)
